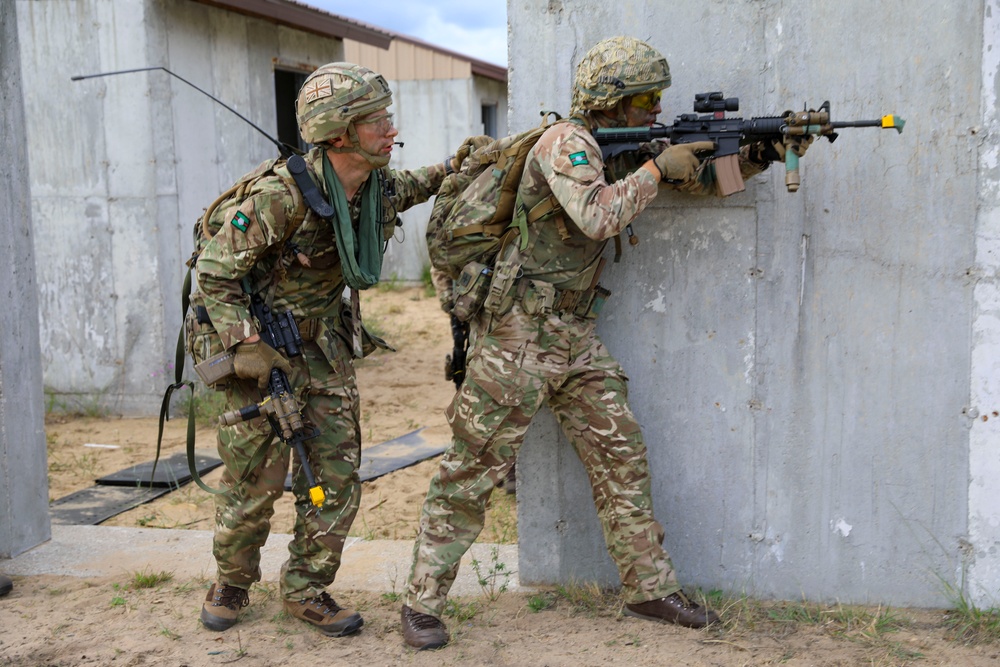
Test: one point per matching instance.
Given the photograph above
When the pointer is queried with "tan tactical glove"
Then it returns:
(679, 162)
(254, 361)
(470, 145)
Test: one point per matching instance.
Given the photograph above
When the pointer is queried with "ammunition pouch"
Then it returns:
(470, 290)
(539, 298)
(500, 298)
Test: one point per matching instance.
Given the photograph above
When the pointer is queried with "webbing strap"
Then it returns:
(495, 229)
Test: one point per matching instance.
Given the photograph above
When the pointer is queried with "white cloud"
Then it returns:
(477, 29)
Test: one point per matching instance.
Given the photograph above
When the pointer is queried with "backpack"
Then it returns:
(474, 207)
(200, 339)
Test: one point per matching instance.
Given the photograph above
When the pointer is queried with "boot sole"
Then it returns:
(628, 612)
(353, 626)
(215, 623)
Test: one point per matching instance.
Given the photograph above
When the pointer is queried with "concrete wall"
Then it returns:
(24, 488)
(815, 373)
(122, 167)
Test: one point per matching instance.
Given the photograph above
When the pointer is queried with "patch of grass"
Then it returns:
(62, 404)
(118, 601)
(207, 404)
(493, 577)
(425, 280)
(501, 519)
(966, 622)
(589, 599)
(461, 611)
(390, 285)
(541, 602)
(168, 633)
(147, 579)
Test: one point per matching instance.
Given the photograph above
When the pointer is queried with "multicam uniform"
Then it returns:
(303, 276)
(544, 350)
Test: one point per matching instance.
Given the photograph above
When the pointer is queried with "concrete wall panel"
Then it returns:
(799, 362)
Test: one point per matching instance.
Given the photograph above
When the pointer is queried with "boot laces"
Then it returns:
(421, 621)
(325, 602)
(232, 597)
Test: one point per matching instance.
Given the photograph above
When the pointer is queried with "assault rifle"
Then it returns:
(454, 363)
(728, 134)
(279, 406)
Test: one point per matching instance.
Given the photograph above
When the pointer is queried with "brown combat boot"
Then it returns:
(423, 631)
(676, 608)
(6, 585)
(222, 606)
(324, 612)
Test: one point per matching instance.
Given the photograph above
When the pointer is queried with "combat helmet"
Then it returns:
(615, 68)
(333, 97)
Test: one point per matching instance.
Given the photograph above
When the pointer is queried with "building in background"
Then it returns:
(123, 166)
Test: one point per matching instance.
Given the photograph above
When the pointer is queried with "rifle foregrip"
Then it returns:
(241, 415)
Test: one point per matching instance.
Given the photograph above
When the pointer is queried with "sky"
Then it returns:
(476, 28)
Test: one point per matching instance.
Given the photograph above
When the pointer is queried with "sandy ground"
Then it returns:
(151, 618)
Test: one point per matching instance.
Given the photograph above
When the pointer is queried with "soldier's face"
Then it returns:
(641, 110)
(376, 132)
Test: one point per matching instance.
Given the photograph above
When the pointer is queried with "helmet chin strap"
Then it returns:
(376, 161)
(614, 117)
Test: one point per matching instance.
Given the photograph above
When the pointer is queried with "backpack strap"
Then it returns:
(299, 170)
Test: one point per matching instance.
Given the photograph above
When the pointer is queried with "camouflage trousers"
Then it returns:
(324, 382)
(517, 365)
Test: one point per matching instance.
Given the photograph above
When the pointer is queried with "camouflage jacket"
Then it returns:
(289, 250)
(566, 162)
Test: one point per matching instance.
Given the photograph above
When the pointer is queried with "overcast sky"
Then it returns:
(476, 28)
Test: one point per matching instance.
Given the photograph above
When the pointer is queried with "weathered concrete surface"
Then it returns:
(123, 166)
(801, 363)
(24, 486)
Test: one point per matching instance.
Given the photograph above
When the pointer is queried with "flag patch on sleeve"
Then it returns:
(241, 222)
(578, 159)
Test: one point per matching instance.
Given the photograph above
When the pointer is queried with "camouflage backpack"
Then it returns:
(474, 206)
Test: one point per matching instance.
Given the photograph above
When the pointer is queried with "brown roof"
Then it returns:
(310, 19)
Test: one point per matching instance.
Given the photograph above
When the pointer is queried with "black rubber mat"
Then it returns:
(392, 455)
(171, 472)
(90, 507)
(128, 488)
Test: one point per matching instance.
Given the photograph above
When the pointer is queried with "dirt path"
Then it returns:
(150, 618)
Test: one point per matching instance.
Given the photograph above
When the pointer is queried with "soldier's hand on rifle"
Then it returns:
(254, 361)
(469, 146)
(679, 162)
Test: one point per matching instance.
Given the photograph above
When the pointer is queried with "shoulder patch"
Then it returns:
(578, 159)
(241, 222)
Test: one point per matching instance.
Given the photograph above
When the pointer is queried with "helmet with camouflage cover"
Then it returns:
(336, 95)
(616, 68)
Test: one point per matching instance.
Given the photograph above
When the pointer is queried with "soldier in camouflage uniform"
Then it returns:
(301, 262)
(537, 345)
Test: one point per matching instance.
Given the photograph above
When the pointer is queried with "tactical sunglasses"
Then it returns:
(647, 101)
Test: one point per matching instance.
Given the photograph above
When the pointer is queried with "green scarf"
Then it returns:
(361, 251)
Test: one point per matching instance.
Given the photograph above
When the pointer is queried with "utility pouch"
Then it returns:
(590, 307)
(500, 298)
(471, 289)
(539, 298)
(217, 368)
